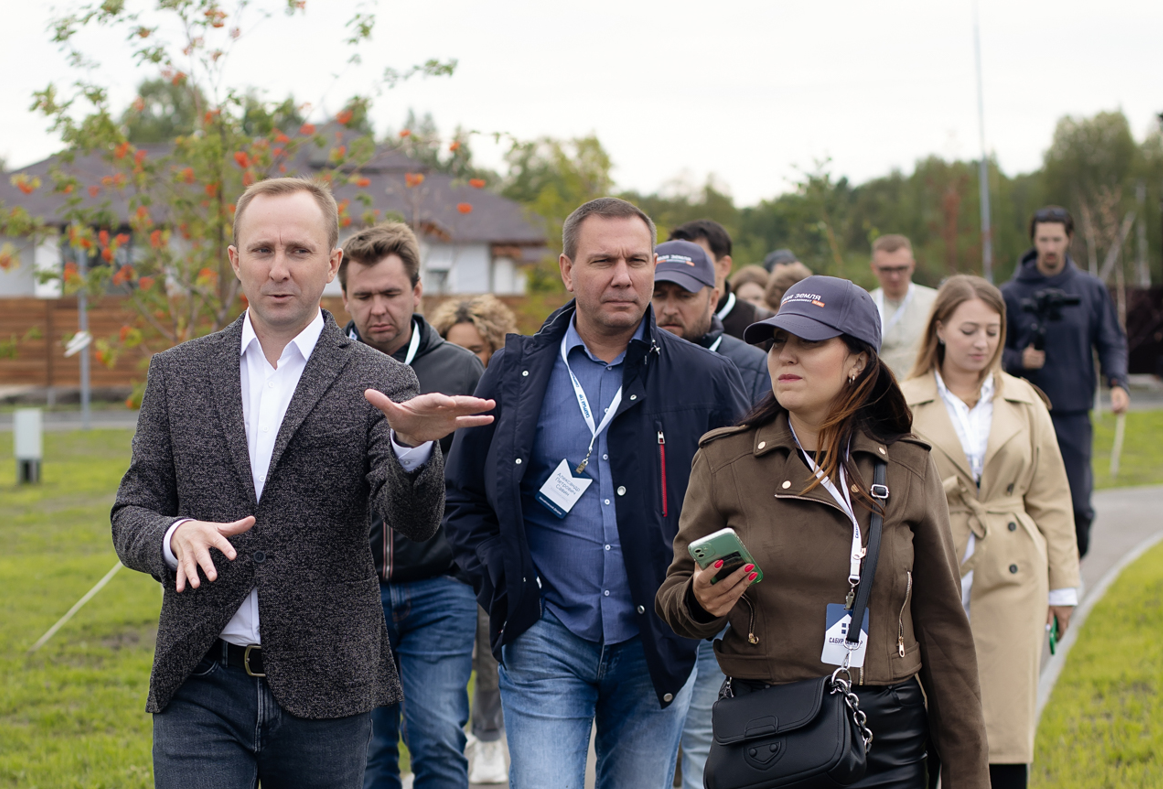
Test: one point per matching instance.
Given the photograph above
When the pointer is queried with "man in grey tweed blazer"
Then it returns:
(258, 452)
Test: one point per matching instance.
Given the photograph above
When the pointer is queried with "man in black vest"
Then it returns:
(429, 607)
(735, 313)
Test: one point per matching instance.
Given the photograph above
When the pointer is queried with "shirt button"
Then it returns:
(786, 484)
(607, 502)
(525, 373)
(641, 610)
(606, 593)
(607, 547)
(1013, 526)
(605, 457)
(1013, 569)
(270, 384)
(517, 461)
(621, 490)
(668, 697)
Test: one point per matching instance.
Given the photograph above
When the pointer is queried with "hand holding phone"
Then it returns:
(725, 545)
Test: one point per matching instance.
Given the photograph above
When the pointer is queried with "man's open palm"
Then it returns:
(432, 416)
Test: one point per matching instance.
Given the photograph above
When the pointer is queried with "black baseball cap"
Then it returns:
(819, 308)
(684, 263)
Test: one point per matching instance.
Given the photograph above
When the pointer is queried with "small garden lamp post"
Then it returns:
(29, 445)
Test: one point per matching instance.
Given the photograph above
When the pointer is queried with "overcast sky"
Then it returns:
(746, 91)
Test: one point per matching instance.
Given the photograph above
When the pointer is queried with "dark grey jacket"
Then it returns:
(325, 643)
(442, 367)
(749, 359)
(1068, 377)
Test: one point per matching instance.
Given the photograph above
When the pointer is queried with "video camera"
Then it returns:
(1046, 305)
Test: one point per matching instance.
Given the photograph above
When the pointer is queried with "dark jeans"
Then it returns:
(224, 730)
(488, 722)
(1075, 441)
(431, 624)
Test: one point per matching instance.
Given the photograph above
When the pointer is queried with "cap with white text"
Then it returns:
(684, 263)
(819, 308)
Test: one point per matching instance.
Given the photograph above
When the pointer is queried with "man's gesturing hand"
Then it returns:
(191, 544)
(430, 417)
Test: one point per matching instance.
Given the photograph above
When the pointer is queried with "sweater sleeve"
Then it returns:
(1109, 340)
(948, 658)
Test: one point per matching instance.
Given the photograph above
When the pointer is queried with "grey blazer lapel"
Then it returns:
(326, 362)
(227, 383)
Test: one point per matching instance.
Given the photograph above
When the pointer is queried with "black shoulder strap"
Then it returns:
(864, 590)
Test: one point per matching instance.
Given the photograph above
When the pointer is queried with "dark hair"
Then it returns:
(1052, 214)
(873, 403)
(717, 237)
(607, 207)
(368, 247)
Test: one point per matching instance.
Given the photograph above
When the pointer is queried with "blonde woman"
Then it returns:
(479, 324)
(1009, 507)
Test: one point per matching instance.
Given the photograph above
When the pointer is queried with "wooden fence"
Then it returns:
(40, 361)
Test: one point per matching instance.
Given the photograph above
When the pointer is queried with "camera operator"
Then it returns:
(1055, 315)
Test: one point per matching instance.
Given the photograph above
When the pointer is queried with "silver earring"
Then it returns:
(940, 341)
(852, 378)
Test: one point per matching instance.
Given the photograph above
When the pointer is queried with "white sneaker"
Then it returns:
(488, 763)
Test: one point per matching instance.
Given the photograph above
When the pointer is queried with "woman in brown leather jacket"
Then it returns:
(793, 482)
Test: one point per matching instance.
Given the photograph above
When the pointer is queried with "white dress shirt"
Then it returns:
(973, 426)
(266, 394)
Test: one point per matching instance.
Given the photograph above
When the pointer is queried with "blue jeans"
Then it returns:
(555, 686)
(432, 626)
(696, 732)
(224, 730)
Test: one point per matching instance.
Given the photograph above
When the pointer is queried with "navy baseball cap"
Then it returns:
(819, 308)
(684, 263)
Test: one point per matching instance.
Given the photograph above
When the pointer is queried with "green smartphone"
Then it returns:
(1053, 635)
(726, 545)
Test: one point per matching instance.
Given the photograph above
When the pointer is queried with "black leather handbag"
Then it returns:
(803, 734)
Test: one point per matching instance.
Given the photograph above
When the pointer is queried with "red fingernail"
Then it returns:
(754, 576)
(718, 564)
(749, 568)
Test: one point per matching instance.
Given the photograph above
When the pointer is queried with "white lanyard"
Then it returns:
(587, 413)
(726, 307)
(841, 497)
(413, 344)
(900, 311)
(715, 345)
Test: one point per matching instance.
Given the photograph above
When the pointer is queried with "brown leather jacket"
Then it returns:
(751, 480)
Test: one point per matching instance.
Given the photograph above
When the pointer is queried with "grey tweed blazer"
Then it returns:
(325, 644)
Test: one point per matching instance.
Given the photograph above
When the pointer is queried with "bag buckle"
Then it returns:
(246, 660)
(879, 492)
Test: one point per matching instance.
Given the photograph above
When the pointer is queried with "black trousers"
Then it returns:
(900, 735)
(1076, 440)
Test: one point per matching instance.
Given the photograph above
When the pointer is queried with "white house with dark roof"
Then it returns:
(486, 250)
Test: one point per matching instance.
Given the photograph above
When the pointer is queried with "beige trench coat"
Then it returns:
(1024, 523)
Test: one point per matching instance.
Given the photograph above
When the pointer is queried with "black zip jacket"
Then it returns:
(1068, 377)
(449, 369)
(673, 392)
(750, 360)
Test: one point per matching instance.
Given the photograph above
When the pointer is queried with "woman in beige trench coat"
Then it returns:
(1009, 507)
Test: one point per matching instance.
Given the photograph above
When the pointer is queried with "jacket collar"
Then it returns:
(556, 324)
(1028, 271)
(429, 339)
(714, 333)
(777, 435)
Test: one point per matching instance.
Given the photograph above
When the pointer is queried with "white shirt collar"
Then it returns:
(986, 395)
(305, 341)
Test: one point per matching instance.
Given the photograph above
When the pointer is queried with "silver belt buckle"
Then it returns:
(246, 660)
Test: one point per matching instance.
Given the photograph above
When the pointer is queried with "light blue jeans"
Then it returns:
(555, 686)
(432, 626)
(696, 733)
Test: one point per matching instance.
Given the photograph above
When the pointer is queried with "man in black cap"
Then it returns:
(684, 299)
(735, 313)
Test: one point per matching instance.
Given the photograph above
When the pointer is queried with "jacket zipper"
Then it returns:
(751, 637)
(900, 638)
(662, 463)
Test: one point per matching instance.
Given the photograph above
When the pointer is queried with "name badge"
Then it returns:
(836, 634)
(563, 488)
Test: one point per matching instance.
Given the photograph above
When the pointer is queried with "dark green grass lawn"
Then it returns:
(73, 714)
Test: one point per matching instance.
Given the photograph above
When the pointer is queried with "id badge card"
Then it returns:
(836, 634)
(563, 488)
